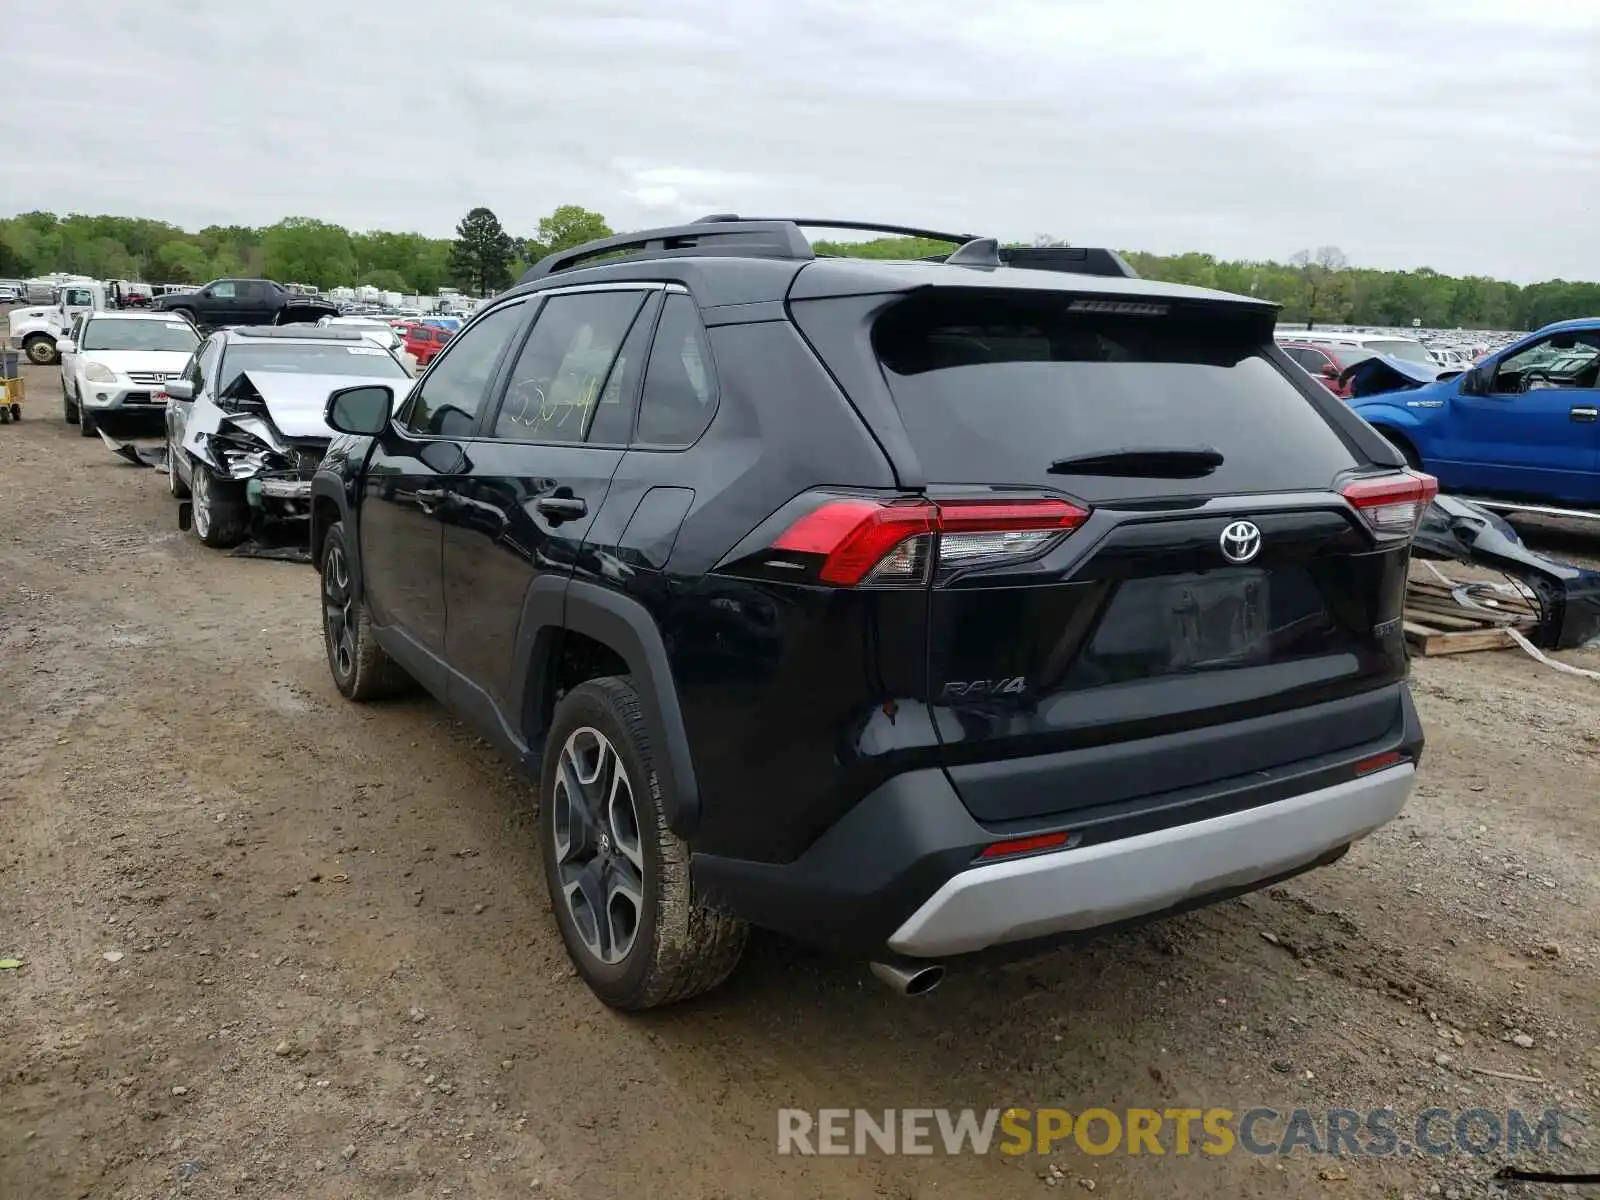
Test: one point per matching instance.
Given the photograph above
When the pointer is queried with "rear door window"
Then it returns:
(559, 386)
(994, 388)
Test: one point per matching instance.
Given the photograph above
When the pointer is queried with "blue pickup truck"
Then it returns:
(1519, 432)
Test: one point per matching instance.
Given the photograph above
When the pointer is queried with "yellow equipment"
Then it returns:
(11, 389)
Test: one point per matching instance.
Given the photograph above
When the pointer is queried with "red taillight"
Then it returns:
(1027, 845)
(854, 536)
(1392, 504)
(890, 543)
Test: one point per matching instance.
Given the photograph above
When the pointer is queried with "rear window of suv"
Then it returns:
(994, 387)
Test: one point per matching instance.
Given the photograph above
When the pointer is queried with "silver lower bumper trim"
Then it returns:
(1114, 881)
(286, 489)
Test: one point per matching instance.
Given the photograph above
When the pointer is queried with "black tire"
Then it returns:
(220, 516)
(41, 350)
(678, 947)
(87, 425)
(361, 669)
(69, 410)
(175, 484)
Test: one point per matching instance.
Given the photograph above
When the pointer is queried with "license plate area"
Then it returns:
(1163, 624)
(1218, 619)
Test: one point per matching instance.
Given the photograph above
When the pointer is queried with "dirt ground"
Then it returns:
(335, 973)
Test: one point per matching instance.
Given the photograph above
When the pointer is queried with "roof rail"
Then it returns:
(932, 235)
(781, 238)
(763, 239)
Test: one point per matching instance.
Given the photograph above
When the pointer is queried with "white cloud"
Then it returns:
(1458, 134)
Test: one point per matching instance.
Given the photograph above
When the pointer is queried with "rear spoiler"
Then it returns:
(1075, 260)
(988, 253)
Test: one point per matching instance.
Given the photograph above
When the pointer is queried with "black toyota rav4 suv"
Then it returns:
(907, 608)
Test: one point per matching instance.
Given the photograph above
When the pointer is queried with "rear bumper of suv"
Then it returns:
(901, 874)
(1086, 887)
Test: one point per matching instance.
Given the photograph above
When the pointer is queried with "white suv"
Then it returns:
(120, 362)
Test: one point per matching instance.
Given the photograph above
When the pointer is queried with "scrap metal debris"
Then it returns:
(261, 545)
(1568, 597)
(1445, 617)
(287, 553)
(140, 456)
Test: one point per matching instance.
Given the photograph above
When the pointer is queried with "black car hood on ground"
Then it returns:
(1569, 597)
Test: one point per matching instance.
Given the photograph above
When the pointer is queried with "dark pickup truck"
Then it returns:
(245, 302)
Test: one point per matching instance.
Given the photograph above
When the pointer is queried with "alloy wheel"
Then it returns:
(202, 503)
(338, 609)
(599, 855)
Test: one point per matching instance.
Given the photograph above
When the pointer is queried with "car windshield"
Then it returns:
(1401, 348)
(306, 358)
(110, 333)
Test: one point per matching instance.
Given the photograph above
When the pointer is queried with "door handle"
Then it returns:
(561, 508)
(1587, 413)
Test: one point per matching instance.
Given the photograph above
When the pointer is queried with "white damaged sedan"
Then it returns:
(245, 426)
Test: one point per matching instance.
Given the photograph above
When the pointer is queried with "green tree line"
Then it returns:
(1315, 285)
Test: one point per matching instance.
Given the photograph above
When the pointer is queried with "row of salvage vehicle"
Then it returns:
(240, 410)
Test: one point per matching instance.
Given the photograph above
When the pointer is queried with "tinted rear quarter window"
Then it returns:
(994, 387)
(680, 386)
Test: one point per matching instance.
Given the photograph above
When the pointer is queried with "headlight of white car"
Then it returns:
(99, 373)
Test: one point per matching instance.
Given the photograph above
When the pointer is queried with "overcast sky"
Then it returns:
(1460, 134)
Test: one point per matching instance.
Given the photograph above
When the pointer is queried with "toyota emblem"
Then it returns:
(1241, 541)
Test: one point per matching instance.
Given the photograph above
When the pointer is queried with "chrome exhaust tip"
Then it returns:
(916, 980)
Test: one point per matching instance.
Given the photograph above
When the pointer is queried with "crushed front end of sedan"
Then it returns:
(266, 432)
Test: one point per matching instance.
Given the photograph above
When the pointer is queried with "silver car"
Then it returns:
(244, 421)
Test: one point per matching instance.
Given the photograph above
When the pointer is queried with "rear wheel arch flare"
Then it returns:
(629, 630)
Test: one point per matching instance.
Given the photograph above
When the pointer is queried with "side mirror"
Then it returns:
(1476, 381)
(66, 345)
(178, 389)
(1331, 371)
(362, 410)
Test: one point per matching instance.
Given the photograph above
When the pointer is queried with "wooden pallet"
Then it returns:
(1437, 623)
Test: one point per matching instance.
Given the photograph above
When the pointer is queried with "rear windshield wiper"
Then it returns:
(1150, 462)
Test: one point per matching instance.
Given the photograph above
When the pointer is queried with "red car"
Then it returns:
(1325, 362)
(423, 341)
